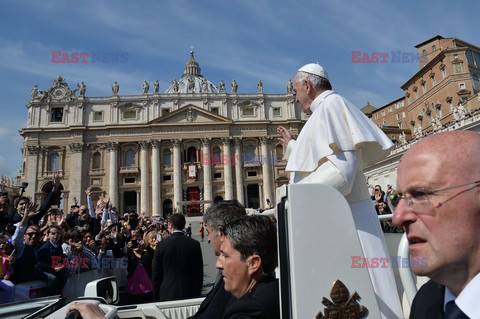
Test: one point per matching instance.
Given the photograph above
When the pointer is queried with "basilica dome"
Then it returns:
(192, 81)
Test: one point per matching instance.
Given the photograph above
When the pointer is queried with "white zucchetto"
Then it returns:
(315, 69)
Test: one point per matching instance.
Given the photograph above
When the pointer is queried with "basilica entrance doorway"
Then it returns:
(130, 201)
(253, 196)
(193, 194)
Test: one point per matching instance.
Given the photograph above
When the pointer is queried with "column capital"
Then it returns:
(33, 150)
(205, 141)
(226, 140)
(176, 142)
(112, 146)
(143, 145)
(155, 143)
(237, 140)
(265, 139)
(76, 147)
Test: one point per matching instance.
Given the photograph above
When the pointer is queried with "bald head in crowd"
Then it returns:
(439, 178)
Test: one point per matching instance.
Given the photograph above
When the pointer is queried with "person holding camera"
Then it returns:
(22, 203)
(139, 284)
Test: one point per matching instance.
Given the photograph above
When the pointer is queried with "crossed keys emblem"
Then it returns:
(342, 305)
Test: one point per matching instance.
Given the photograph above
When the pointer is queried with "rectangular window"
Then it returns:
(167, 178)
(252, 173)
(248, 111)
(165, 111)
(129, 114)
(398, 116)
(376, 116)
(277, 111)
(56, 114)
(129, 180)
(98, 116)
(217, 175)
(404, 115)
(383, 113)
(461, 86)
(458, 68)
(399, 124)
(214, 110)
(390, 109)
(444, 73)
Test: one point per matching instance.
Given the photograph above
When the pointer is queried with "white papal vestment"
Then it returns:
(333, 148)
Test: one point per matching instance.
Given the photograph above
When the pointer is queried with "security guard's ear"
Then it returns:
(254, 263)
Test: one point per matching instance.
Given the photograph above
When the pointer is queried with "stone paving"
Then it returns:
(209, 258)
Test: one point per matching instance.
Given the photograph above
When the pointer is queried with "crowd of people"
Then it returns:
(47, 244)
(380, 201)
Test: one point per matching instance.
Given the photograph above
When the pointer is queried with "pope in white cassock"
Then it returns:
(333, 148)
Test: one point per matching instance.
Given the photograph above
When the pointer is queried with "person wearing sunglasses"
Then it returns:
(26, 241)
(437, 202)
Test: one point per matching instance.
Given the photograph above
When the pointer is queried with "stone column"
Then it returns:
(207, 173)
(156, 200)
(112, 148)
(227, 168)
(31, 170)
(75, 186)
(177, 175)
(144, 190)
(239, 170)
(266, 170)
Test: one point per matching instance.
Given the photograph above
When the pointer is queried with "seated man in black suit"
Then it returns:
(217, 300)
(248, 257)
(177, 270)
(438, 204)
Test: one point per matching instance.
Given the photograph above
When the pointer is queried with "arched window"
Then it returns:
(216, 155)
(96, 160)
(191, 155)
(167, 157)
(54, 162)
(250, 153)
(279, 151)
(129, 158)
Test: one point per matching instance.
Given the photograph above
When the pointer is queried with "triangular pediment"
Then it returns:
(191, 114)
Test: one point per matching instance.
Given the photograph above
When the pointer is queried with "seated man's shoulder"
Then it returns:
(262, 302)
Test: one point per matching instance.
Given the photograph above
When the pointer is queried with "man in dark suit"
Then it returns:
(248, 257)
(217, 300)
(177, 270)
(440, 212)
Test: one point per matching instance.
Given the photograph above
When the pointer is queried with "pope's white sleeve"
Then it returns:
(346, 162)
(289, 149)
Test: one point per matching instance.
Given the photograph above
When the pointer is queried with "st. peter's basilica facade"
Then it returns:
(179, 150)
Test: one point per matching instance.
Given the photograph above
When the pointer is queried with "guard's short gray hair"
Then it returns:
(224, 212)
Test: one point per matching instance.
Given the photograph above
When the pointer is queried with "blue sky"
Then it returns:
(245, 40)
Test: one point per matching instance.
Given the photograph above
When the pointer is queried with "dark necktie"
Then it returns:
(453, 312)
